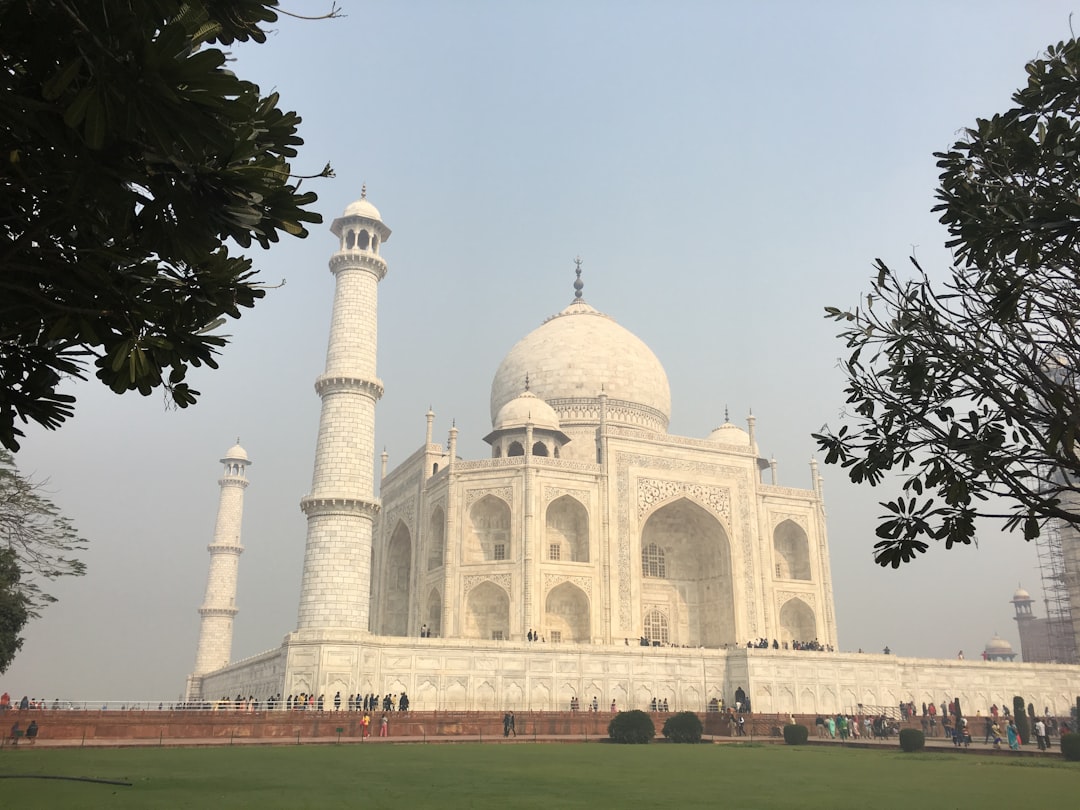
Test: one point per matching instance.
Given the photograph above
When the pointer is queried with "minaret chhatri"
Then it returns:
(341, 508)
(219, 605)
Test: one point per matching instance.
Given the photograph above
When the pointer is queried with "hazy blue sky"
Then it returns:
(725, 170)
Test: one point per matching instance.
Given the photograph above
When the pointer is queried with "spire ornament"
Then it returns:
(578, 284)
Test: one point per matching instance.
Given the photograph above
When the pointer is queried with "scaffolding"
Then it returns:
(1061, 638)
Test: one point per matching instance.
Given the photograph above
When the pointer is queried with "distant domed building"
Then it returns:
(998, 649)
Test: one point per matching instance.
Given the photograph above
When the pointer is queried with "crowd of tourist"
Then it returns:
(813, 646)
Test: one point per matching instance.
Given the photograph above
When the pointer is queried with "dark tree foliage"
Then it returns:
(912, 739)
(683, 727)
(132, 162)
(1070, 746)
(966, 393)
(14, 609)
(795, 734)
(634, 727)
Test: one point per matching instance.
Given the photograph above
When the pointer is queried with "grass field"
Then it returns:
(550, 777)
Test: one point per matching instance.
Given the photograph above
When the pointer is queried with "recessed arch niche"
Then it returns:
(697, 579)
(792, 549)
(797, 621)
(567, 525)
(396, 593)
(566, 611)
(488, 531)
(436, 539)
(487, 612)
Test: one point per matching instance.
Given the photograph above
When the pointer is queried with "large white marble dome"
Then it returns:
(572, 357)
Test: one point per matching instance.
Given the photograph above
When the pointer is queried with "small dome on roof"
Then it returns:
(998, 645)
(363, 208)
(235, 453)
(1021, 596)
(728, 433)
(526, 407)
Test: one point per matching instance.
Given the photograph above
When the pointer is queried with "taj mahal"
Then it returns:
(591, 554)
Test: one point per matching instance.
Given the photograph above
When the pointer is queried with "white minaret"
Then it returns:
(219, 605)
(341, 508)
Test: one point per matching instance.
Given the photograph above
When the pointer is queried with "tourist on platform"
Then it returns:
(995, 733)
(5, 702)
(1040, 735)
(337, 702)
(1014, 736)
(384, 725)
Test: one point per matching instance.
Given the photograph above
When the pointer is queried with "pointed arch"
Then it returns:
(695, 581)
(515, 449)
(396, 593)
(487, 612)
(566, 612)
(567, 526)
(488, 531)
(797, 621)
(436, 539)
(792, 551)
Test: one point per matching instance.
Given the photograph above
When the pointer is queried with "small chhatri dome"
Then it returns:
(1021, 596)
(998, 645)
(525, 408)
(363, 208)
(728, 433)
(235, 453)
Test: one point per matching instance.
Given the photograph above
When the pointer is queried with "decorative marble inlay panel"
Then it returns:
(473, 495)
(652, 492)
(470, 581)
(405, 512)
(741, 523)
(553, 580)
(551, 493)
(786, 596)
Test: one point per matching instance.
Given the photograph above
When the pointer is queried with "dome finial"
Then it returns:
(578, 284)
(526, 381)
(727, 418)
(363, 191)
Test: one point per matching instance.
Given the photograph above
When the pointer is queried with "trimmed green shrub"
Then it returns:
(1070, 746)
(794, 734)
(684, 727)
(911, 739)
(1023, 725)
(632, 727)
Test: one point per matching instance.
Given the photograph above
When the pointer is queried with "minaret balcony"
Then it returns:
(358, 260)
(336, 384)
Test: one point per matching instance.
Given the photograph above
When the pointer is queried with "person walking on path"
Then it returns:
(383, 724)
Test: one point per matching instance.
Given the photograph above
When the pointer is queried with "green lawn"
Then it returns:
(551, 777)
